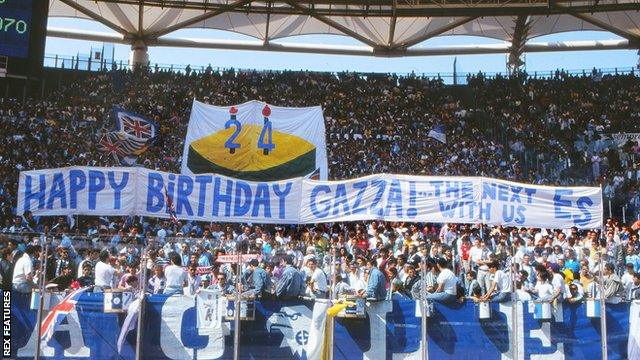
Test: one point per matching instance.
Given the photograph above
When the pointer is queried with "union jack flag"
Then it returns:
(170, 208)
(111, 144)
(134, 125)
(58, 313)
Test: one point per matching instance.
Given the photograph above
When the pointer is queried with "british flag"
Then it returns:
(58, 313)
(111, 144)
(134, 125)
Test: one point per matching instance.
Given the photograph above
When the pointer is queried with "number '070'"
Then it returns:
(8, 24)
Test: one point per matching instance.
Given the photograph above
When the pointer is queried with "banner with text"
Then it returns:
(208, 197)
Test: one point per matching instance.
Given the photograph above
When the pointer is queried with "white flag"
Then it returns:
(316, 341)
(211, 307)
(255, 141)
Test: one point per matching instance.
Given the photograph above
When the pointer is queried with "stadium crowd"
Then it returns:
(544, 131)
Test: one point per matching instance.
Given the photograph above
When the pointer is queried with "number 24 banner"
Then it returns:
(256, 141)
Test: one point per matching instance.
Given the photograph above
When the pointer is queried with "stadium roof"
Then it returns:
(385, 27)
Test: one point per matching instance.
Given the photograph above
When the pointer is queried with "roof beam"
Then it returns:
(266, 31)
(392, 25)
(207, 15)
(518, 41)
(334, 24)
(433, 33)
(383, 8)
(72, 4)
(346, 50)
(633, 38)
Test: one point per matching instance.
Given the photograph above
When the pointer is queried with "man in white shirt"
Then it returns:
(318, 282)
(500, 289)
(23, 272)
(446, 292)
(177, 278)
(480, 257)
(104, 272)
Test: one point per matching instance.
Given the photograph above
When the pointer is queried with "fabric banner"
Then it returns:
(211, 307)
(255, 141)
(623, 138)
(287, 330)
(207, 197)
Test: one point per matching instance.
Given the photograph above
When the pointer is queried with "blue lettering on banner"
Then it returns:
(185, 188)
(97, 183)
(242, 201)
(262, 200)
(585, 218)
(375, 209)
(357, 207)
(282, 194)
(58, 191)
(326, 203)
(117, 187)
(219, 197)
(559, 203)
(30, 195)
(340, 199)
(77, 182)
(203, 181)
(394, 199)
(155, 193)
(110, 191)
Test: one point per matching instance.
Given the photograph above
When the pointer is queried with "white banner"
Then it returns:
(211, 307)
(256, 141)
(207, 197)
(623, 138)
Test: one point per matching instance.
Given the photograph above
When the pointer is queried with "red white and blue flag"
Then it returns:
(170, 208)
(58, 313)
(134, 125)
(133, 136)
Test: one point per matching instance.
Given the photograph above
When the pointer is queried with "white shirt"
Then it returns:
(23, 268)
(558, 283)
(319, 280)
(104, 274)
(176, 277)
(503, 281)
(449, 280)
(545, 290)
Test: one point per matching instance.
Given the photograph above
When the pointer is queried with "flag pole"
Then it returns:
(236, 317)
(514, 305)
(603, 306)
(42, 278)
(423, 305)
(143, 281)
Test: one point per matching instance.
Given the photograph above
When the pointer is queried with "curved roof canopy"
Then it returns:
(387, 27)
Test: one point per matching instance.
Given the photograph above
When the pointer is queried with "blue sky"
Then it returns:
(540, 62)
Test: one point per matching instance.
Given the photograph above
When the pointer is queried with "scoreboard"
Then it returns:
(22, 34)
(15, 27)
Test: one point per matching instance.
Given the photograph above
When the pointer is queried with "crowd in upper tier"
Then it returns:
(539, 130)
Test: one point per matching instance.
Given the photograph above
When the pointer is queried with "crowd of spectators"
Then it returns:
(544, 131)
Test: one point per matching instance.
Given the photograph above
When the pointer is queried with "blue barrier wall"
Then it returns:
(281, 331)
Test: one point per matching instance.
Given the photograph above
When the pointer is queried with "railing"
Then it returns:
(88, 64)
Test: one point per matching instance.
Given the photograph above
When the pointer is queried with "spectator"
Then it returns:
(176, 278)
(291, 284)
(23, 272)
(158, 282)
(375, 282)
(105, 273)
(446, 291)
